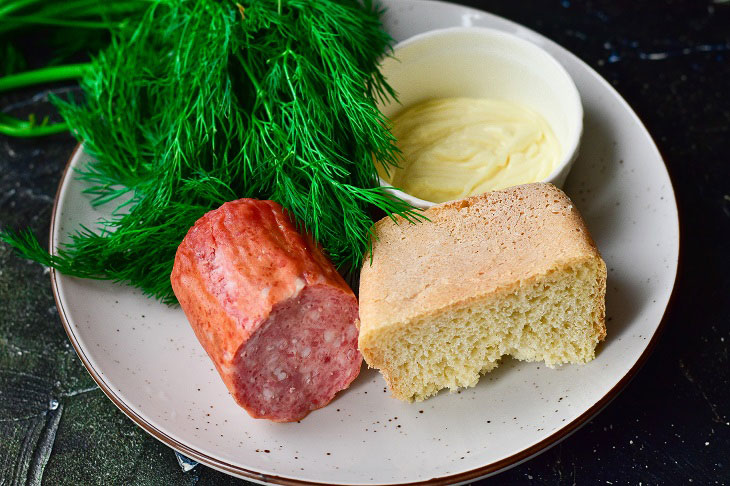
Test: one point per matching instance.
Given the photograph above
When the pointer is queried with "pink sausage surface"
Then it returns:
(269, 308)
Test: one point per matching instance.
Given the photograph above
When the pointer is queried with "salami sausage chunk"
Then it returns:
(269, 308)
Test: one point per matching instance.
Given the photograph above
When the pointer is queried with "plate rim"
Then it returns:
(470, 475)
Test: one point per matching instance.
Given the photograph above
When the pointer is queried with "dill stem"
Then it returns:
(80, 24)
(43, 75)
(256, 86)
(9, 8)
(18, 128)
(71, 8)
(25, 130)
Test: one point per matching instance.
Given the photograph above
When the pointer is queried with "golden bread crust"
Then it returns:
(469, 248)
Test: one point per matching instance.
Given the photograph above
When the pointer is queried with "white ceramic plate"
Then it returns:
(147, 360)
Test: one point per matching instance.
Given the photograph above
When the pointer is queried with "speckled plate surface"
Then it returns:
(147, 360)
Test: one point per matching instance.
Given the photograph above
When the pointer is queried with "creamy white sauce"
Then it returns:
(457, 147)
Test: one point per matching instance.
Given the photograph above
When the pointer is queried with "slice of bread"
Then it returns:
(511, 272)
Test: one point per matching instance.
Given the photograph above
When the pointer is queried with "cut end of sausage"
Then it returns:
(300, 357)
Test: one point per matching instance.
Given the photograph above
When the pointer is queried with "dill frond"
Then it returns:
(198, 105)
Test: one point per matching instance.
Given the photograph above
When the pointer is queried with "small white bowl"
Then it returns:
(477, 62)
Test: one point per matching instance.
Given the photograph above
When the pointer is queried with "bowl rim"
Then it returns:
(571, 151)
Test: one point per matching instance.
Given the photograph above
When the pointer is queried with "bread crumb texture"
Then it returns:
(512, 272)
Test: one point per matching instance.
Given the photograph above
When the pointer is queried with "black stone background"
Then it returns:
(671, 425)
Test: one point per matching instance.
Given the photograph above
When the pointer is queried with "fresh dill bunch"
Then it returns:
(208, 101)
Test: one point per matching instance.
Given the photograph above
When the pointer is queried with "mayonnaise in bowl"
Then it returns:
(478, 109)
(458, 147)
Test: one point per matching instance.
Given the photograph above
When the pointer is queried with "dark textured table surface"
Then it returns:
(671, 425)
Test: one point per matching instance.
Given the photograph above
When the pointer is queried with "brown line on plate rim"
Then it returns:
(471, 475)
